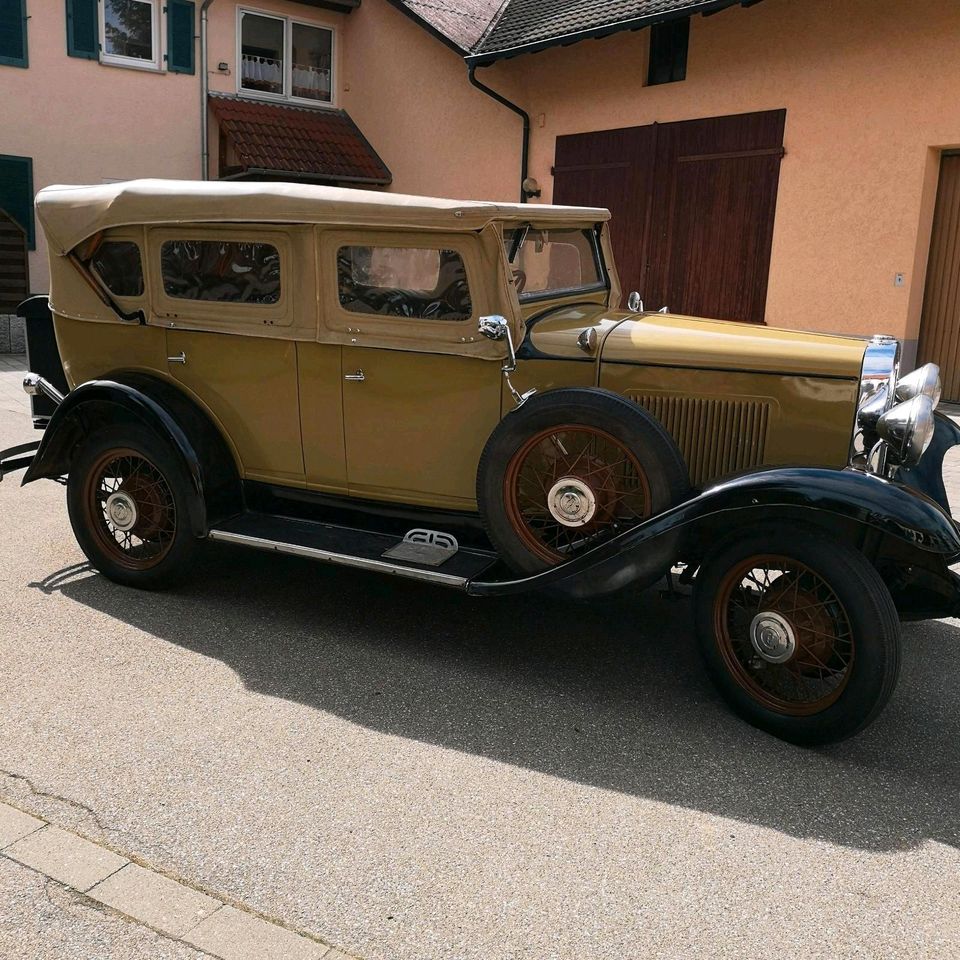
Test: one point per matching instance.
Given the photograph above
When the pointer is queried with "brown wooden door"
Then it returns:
(693, 207)
(940, 323)
(14, 274)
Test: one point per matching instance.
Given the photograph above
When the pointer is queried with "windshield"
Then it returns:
(553, 263)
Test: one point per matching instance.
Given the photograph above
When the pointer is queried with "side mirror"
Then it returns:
(634, 303)
(494, 327)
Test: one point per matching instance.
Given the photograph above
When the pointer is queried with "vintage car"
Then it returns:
(447, 391)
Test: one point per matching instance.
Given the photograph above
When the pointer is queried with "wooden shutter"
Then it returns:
(83, 29)
(180, 30)
(16, 193)
(13, 33)
(940, 324)
(14, 264)
(613, 169)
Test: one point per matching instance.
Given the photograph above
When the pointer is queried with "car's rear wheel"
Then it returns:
(127, 500)
(571, 468)
(799, 634)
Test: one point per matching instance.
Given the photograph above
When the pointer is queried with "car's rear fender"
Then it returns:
(846, 504)
(216, 491)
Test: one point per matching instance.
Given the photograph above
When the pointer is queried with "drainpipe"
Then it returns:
(524, 116)
(204, 90)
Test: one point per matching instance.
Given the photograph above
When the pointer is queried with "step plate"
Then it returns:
(347, 547)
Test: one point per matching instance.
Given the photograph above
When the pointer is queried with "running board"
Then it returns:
(361, 549)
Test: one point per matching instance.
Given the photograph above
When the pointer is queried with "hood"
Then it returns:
(677, 341)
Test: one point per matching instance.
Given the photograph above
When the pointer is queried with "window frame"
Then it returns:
(136, 238)
(215, 314)
(288, 22)
(24, 61)
(157, 20)
(603, 284)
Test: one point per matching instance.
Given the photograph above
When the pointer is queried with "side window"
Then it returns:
(220, 270)
(415, 282)
(117, 263)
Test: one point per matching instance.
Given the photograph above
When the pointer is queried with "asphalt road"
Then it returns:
(411, 774)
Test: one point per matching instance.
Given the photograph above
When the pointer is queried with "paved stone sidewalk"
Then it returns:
(178, 920)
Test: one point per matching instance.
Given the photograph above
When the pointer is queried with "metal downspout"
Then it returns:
(204, 91)
(525, 148)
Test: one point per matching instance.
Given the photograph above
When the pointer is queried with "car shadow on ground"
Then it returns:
(609, 694)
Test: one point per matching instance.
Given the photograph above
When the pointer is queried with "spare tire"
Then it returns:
(570, 468)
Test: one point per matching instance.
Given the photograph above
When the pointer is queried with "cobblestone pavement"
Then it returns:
(410, 774)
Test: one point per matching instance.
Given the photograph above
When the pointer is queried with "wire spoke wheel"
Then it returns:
(783, 634)
(130, 508)
(569, 487)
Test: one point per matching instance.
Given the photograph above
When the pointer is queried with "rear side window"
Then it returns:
(225, 271)
(117, 263)
(415, 282)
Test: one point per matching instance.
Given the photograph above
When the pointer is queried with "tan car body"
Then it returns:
(272, 376)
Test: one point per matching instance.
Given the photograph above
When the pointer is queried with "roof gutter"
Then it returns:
(705, 7)
(204, 91)
(524, 116)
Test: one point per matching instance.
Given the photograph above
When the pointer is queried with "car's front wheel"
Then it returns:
(799, 634)
(127, 500)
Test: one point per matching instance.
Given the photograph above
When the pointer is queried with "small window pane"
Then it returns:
(128, 29)
(311, 62)
(224, 271)
(413, 282)
(668, 52)
(117, 263)
(552, 262)
(261, 54)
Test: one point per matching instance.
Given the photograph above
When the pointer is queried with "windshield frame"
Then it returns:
(512, 250)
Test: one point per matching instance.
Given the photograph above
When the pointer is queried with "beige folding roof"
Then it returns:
(70, 214)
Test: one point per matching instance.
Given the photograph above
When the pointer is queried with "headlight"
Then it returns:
(924, 381)
(907, 429)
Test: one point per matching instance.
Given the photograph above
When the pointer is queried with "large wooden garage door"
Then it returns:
(14, 276)
(940, 325)
(693, 205)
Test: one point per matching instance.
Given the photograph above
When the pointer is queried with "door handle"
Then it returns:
(357, 377)
(181, 357)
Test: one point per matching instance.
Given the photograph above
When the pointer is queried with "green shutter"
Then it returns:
(16, 193)
(83, 29)
(180, 28)
(13, 33)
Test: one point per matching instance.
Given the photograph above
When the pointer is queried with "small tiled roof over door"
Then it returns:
(303, 143)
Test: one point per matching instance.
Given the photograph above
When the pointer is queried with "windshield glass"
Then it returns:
(552, 263)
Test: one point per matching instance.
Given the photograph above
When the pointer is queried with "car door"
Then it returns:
(421, 389)
(226, 297)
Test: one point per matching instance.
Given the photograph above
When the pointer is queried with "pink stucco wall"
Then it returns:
(84, 122)
(872, 92)
(406, 91)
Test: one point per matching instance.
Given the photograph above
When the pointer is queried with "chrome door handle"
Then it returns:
(181, 357)
(357, 377)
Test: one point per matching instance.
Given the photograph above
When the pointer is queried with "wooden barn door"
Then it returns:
(14, 275)
(693, 207)
(940, 323)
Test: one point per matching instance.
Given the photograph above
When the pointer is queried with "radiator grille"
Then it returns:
(716, 437)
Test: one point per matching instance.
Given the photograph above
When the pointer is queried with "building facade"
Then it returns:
(773, 161)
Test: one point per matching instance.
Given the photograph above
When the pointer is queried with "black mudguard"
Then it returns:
(829, 499)
(215, 487)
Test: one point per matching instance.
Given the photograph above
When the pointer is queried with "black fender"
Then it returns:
(927, 475)
(830, 499)
(216, 492)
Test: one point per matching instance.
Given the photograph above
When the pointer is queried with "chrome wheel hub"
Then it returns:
(571, 502)
(772, 637)
(121, 510)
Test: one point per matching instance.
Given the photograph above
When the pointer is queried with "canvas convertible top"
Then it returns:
(70, 214)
